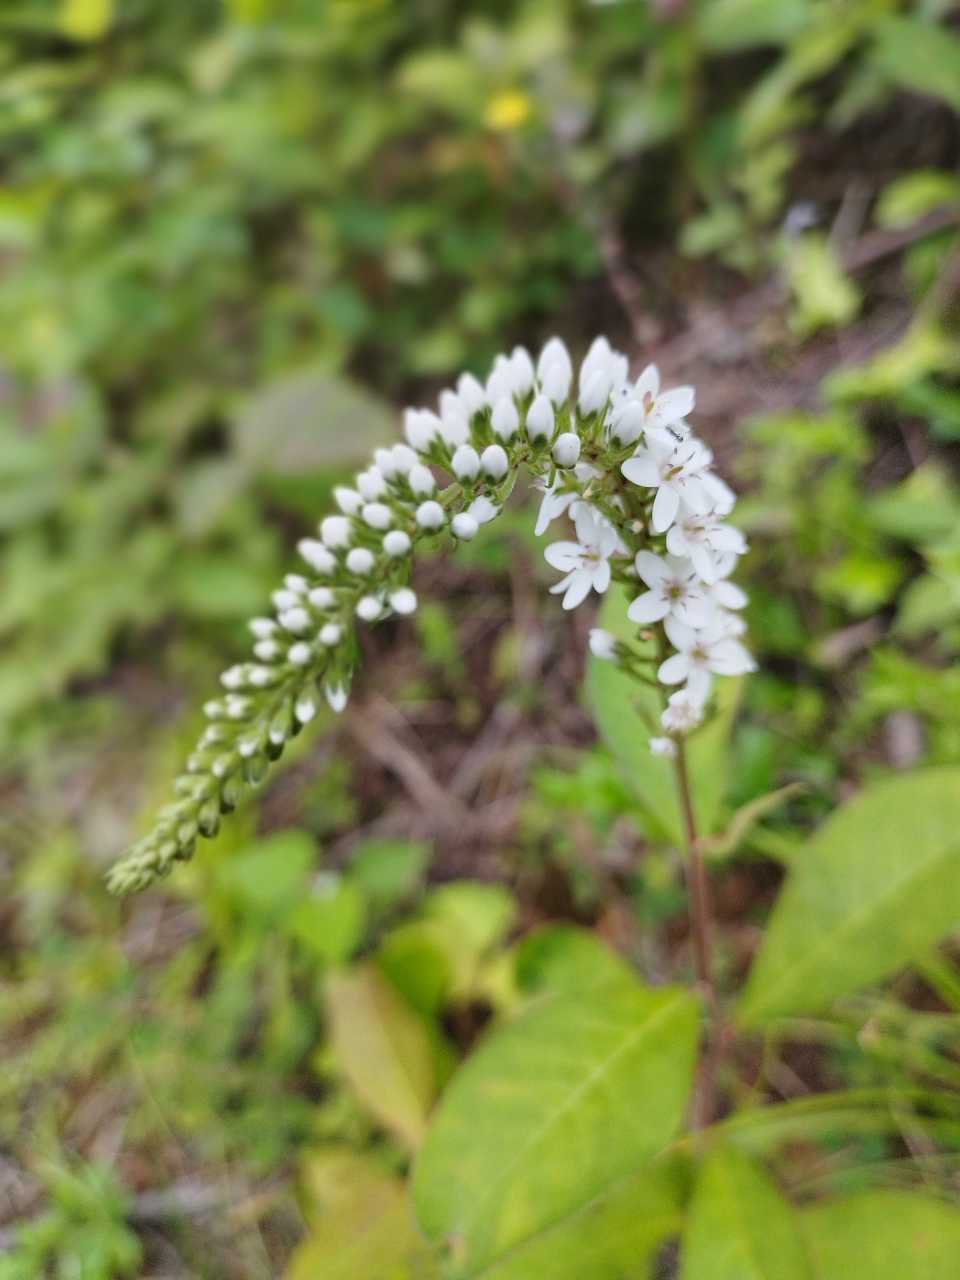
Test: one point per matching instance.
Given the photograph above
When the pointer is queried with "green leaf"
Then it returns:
(919, 56)
(330, 921)
(573, 1095)
(563, 957)
(740, 1227)
(745, 819)
(627, 714)
(383, 1049)
(823, 295)
(479, 913)
(389, 870)
(883, 1235)
(915, 194)
(614, 1236)
(725, 25)
(269, 878)
(876, 886)
(86, 19)
(361, 1224)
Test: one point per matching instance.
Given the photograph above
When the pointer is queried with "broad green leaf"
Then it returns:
(627, 715)
(877, 885)
(919, 509)
(268, 879)
(389, 870)
(480, 913)
(563, 957)
(361, 1225)
(614, 1236)
(740, 1227)
(330, 920)
(383, 1049)
(724, 25)
(573, 1095)
(919, 56)
(929, 602)
(883, 1235)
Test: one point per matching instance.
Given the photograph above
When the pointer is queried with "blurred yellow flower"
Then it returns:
(508, 109)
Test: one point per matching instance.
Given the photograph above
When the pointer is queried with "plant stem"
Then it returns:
(701, 929)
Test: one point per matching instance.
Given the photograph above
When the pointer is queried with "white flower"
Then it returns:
(321, 597)
(521, 369)
(585, 562)
(603, 644)
(682, 713)
(566, 449)
(404, 459)
(454, 426)
(674, 591)
(701, 653)
(299, 654)
(304, 711)
(330, 634)
(595, 391)
(296, 620)
(262, 628)
(675, 471)
(662, 408)
(663, 747)
(556, 501)
(704, 539)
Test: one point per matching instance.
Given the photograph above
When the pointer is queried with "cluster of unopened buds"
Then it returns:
(615, 455)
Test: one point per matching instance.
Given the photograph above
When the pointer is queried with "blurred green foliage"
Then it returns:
(233, 237)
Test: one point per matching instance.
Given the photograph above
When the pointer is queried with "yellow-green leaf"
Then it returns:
(86, 19)
(549, 1113)
(883, 1235)
(876, 886)
(383, 1049)
(740, 1226)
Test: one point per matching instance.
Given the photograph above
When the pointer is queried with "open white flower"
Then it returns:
(682, 713)
(585, 562)
(702, 653)
(662, 408)
(556, 500)
(675, 591)
(675, 470)
(704, 539)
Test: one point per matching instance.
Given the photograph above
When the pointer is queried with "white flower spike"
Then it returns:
(657, 520)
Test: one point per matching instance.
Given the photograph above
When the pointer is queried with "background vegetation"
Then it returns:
(234, 239)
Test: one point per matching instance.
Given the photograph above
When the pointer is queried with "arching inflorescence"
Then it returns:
(615, 456)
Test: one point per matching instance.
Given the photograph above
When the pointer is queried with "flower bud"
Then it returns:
(300, 653)
(471, 394)
(404, 459)
(494, 461)
(421, 428)
(296, 620)
(396, 542)
(603, 644)
(360, 560)
(555, 383)
(316, 554)
(322, 598)
(330, 634)
(430, 515)
(464, 526)
(505, 419)
(335, 531)
(336, 696)
(566, 449)
(403, 600)
(305, 709)
(369, 608)
(466, 462)
(262, 628)
(348, 500)
(377, 515)
(595, 391)
(540, 418)
(421, 480)
(372, 484)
